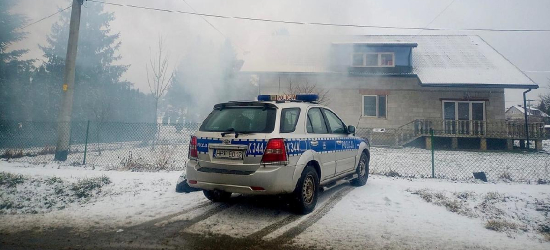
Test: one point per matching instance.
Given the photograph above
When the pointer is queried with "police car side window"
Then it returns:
(289, 118)
(317, 122)
(336, 125)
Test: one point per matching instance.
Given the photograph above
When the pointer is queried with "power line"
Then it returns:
(212, 25)
(44, 18)
(435, 18)
(314, 23)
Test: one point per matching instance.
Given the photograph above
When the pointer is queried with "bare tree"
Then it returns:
(308, 88)
(101, 110)
(158, 77)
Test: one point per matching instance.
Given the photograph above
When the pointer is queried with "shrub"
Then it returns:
(11, 180)
(500, 225)
(86, 187)
(392, 173)
(12, 153)
(47, 150)
(505, 176)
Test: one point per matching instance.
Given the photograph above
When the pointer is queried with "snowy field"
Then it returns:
(387, 213)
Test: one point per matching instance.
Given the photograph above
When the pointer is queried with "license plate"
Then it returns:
(228, 154)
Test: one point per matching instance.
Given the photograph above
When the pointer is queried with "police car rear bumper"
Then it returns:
(266, 180)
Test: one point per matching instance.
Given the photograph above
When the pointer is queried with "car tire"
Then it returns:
(304, 198)
(362, 171)
(217, 195)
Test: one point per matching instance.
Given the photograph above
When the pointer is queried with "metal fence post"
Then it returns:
(433, 162)
(86, 142)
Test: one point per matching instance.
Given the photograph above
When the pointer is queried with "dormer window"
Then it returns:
(380, 59)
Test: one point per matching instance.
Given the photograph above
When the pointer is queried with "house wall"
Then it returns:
(406, 99)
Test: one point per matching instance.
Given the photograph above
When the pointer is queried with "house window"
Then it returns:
(383, 59)
(374, 106)
(464, 110)
(357, 60)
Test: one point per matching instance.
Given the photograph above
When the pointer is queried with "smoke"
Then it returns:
(195, 46)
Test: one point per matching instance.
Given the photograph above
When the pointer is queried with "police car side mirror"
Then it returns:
(351, 129)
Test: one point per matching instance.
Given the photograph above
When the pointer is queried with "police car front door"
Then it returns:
(322, 142)
(344, 150)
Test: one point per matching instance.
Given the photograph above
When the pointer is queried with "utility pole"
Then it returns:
(526, 116)
(64, 119)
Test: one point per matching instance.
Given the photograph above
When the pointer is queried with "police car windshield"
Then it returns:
(240, 119)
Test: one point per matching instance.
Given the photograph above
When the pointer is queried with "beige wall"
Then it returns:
(407, 100)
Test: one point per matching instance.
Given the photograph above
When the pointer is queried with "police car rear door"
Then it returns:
(321, 141)
(345, 148)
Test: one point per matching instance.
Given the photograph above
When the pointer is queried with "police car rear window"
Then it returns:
(240, 119)
(289, 118)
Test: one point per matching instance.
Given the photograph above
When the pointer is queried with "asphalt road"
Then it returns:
(168, 232)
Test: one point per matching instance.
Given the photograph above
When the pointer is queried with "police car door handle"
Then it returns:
(314, 143)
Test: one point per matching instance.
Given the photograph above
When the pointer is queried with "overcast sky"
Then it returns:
(139, 29)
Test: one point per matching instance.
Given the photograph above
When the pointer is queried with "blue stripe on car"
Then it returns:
(294, 146)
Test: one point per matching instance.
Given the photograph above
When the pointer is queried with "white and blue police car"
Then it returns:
(286, 144)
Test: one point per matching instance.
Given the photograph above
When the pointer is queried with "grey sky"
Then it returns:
(140, 28)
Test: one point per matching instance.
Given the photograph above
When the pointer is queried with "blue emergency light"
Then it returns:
(298, 97)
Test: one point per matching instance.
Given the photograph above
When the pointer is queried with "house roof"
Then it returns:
(529, 111)
(438, 60)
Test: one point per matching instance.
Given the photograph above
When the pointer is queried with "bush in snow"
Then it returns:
(25, 194)
(500, 225)
(11, 180)
(12, 153)
(87, 187)
(47, 150)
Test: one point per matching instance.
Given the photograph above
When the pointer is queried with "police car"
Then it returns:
(276, 145)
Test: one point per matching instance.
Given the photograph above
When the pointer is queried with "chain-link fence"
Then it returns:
(457, 156)
(112, 145)
(144, 146)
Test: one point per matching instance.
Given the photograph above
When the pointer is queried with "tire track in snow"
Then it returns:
(167, 217)
(271, 228)
(149, 235)
(310, 220)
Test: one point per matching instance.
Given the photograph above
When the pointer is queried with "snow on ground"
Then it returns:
(129, 199)
(386, 213)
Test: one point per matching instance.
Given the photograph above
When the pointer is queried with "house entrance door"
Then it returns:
(464, 117)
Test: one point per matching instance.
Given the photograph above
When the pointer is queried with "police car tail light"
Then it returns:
(275, 152)
(193, 153)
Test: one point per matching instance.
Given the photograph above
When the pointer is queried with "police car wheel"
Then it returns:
(362, 171)
(217, 195)
(307, 190)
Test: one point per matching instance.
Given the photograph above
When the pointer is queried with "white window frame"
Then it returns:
(470, 109)
(379, 60)
(377, 106)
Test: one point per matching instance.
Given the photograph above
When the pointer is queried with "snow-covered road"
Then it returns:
(143, 210)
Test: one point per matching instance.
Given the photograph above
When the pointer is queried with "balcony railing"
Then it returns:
(471, 128)
(498, 129)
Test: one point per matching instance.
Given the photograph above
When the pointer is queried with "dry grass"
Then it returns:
(392, 173)
(49, 149)
(459, 206)
(500, 225)
(505, 176)
(12, 153)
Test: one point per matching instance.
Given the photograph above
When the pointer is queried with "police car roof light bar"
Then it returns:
(298, 97)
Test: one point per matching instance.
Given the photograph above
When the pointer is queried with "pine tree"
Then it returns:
(100, 94)
(15, 74)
